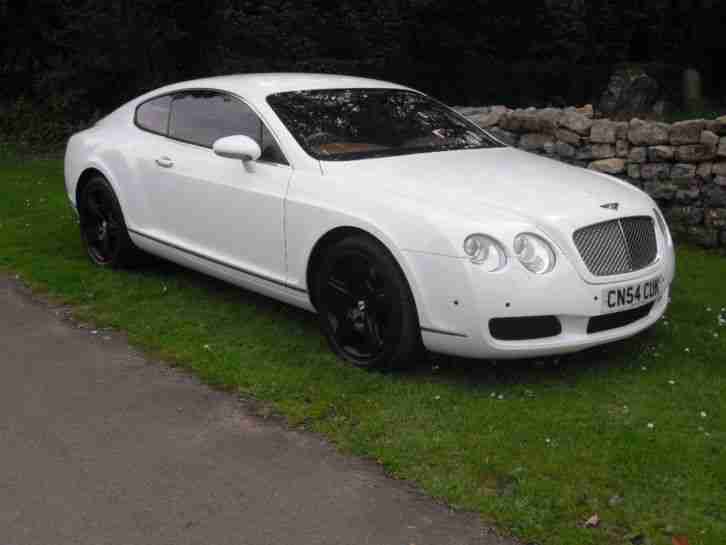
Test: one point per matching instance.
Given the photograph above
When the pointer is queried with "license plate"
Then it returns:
(632, 296)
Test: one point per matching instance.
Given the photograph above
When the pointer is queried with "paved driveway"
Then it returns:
(100, 446)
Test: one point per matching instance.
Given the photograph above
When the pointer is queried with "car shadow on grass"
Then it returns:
(225, 291)
(611, 358)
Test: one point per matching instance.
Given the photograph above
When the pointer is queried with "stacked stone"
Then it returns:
(682, 166)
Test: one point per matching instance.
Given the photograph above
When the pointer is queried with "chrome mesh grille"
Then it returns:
(640, 236)
(617, 246)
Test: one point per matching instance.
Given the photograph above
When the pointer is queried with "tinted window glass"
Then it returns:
(270, 151)
(154, 115)
(201, 117)
(342, 124)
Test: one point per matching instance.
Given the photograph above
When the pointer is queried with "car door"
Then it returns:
(226, 210)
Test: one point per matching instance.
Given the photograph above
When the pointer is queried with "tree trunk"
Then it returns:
(692, 89)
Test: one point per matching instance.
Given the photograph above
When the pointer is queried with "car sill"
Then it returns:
(216, 261)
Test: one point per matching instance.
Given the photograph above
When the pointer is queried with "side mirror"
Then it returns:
(238, 146)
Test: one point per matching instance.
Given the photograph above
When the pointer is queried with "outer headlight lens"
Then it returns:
(662, 224)
(535, 253)
(485, 251)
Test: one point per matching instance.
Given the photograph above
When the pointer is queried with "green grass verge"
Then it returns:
(708, 111)
(635, 431)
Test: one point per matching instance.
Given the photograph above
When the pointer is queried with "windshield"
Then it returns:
(345, 124)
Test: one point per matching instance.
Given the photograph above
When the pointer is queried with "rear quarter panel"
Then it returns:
(108, 147)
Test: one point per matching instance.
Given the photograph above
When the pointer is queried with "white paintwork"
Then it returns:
(224, 216)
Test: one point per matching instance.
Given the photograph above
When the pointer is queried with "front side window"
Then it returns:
(153, 115)
(344, 124)
(201, 117)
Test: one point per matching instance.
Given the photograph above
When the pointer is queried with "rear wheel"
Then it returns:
(365, 305)
(103, 229)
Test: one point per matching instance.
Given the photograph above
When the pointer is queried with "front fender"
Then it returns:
(316, 205)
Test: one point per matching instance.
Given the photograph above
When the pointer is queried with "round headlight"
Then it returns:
(535, 253)
(485, 251)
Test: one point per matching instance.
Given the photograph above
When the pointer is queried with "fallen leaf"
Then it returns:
(680, 540)
(593, 521)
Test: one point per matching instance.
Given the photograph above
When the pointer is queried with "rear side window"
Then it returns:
(154, 115)
(201, 117)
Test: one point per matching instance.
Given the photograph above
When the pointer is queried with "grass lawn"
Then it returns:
(635, 432)
(711, 108)
(707, 112)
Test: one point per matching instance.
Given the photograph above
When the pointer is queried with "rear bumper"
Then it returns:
(459, 300)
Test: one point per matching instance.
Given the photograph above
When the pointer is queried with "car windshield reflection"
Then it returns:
(346, 124)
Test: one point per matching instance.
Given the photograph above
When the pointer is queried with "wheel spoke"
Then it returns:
(113, 240)
(91, 233)
(339, 288)
(380, 301)
(106, 204)
(371, 279)
(339, 300)
(359, 272)
(344, 330)
(106, 246)
(373, 338)
(113, 227)
(94, 206)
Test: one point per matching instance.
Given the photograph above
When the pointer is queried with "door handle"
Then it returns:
(165, 162)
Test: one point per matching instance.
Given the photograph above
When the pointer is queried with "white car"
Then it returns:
(401, 223)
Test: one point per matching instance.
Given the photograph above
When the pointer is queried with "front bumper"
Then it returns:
(456, 300)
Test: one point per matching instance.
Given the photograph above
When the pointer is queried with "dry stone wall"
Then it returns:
(681, 165)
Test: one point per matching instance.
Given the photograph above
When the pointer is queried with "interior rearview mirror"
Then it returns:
(237, 146)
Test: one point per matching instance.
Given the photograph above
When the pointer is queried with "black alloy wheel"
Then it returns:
(365, 305)
(103, 228)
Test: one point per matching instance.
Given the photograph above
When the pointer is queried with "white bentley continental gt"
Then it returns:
(401, 223)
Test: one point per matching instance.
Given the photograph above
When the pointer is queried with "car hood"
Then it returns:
(548, 193)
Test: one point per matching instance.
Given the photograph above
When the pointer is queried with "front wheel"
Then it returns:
(365, 305)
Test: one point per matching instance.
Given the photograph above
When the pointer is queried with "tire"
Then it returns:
(365, 305)
(103, 229)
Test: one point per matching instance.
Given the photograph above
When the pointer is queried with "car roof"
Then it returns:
(254, 89)
(258, 86)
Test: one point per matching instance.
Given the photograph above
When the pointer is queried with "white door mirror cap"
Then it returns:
(237, 146)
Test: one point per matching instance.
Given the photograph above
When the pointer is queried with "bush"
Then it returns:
(33, 124)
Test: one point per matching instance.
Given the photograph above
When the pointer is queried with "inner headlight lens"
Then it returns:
(485, 251)
(535, 253)
(662, 224)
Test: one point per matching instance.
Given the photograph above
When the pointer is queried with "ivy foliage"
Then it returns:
(77, 59)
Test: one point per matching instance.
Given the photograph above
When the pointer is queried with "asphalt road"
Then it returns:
(100, 446)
